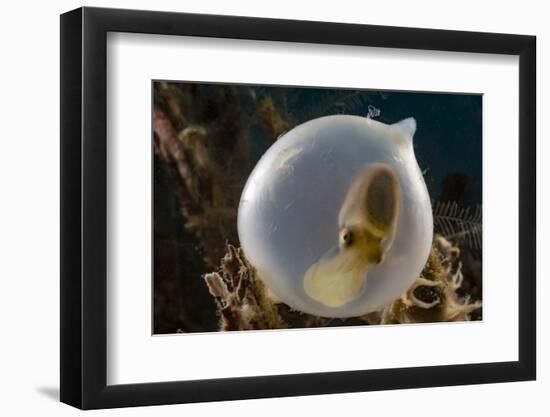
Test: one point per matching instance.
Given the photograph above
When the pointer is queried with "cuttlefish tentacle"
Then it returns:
(367, 222)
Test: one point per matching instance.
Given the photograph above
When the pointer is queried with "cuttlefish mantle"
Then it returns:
(366, 222)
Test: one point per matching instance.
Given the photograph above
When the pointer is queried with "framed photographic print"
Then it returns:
(257, 208)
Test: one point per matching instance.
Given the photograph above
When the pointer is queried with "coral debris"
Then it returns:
(434, 296)
(244, 303)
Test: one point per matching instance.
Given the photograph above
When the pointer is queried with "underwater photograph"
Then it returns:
(282, 207)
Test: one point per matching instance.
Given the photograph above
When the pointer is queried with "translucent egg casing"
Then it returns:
(289, 210)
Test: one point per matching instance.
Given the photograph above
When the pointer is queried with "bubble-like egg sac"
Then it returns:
(326, 177)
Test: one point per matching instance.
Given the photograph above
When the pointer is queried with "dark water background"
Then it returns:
(242, 122)
(447, 142)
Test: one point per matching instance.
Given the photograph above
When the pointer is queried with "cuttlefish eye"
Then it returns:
(346, 238)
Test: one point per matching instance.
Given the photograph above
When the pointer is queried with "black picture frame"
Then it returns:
(84, 207)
